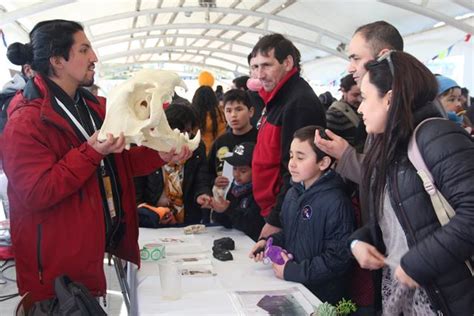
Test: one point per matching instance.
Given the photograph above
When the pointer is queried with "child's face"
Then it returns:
(242, 174)
(452, 100)
(237, 116)
(303, 166)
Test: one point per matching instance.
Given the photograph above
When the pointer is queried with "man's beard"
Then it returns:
(87, 82)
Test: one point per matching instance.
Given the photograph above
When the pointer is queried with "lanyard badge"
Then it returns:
(109, 195)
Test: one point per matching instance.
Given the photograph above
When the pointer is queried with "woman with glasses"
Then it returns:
(423, 264)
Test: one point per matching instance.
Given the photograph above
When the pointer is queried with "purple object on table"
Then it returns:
(273, 253)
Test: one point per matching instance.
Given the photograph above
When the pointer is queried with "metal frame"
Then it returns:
(406, 5)
(468, 4)
(242, 12)
(152, 13)
(171, 32)
(122, 278)
(235, 71)
(183, 26)
(175, 49)
(175, 36)
(13, 16)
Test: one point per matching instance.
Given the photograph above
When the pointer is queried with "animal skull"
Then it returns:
(135, 107)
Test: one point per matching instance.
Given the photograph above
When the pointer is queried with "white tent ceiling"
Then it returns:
(219, 34)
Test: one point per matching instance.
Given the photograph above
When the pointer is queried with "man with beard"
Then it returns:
(342, 117)
(71, 196)
(368, 42)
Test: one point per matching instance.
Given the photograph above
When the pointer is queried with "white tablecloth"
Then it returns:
(204, 295)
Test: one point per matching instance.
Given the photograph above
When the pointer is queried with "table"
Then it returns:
(205, 295)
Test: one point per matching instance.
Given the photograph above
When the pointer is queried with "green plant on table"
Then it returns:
(345, 307)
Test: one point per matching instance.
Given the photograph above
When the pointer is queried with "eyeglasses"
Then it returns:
(387, 56)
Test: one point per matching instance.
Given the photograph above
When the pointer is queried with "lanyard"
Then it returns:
(75, 121)
(80, 127)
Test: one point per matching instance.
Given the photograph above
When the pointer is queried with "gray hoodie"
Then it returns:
(18, 82)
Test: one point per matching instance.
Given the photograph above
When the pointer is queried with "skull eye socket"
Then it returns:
(144, 104)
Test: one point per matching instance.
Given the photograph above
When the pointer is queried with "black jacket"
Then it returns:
(243, 214)
(223, 145)
(195, 182)
(316, 225)
(436, 254)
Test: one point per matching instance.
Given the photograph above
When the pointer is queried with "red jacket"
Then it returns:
(56, 210)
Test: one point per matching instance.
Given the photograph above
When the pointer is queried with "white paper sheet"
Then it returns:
(227, 172)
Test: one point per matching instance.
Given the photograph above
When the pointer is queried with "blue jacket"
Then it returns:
(316, 225)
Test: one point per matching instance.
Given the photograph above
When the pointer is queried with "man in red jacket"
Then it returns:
(71, 196)
(290, 103)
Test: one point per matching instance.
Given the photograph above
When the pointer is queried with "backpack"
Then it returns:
(348, 111)
(444, 211)
(72, 299)
(360, 132)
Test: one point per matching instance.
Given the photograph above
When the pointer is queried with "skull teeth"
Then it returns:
(135, 108)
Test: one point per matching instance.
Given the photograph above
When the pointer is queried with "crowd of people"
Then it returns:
(330, 182)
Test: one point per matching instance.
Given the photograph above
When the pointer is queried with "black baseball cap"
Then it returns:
(241, 155)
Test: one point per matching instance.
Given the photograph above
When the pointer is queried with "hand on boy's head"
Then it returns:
(334, 146)
(220, 205)
(279, 269)
(257, 251)
(221, 182)
(204, 201)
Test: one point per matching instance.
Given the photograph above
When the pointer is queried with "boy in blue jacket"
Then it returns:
(317, 219)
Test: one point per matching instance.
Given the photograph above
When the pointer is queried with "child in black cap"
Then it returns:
(240, 210)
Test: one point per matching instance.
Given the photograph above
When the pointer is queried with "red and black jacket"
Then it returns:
(290, 106)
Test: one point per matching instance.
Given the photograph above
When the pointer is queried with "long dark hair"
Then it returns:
(47, 39)
(413, 85)
(205, 101)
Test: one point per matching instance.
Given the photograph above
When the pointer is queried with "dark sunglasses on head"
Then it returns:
(388, 58)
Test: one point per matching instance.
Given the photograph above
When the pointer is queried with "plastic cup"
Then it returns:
(170, 279)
